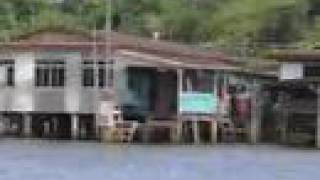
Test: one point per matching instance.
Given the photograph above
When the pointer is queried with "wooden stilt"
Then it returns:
(179, 91)
(214, 132)
(2, 125)
(196, 132)
(318, 118)
(27, 126)
(284, 119)
(284, 128)
(97, 126)
(214, 123)
(173, 135)
(255, 115)
(177, 132)
(253, 118)
(75, 126)
(178, 137)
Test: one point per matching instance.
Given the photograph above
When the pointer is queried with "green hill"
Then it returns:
(240, 26)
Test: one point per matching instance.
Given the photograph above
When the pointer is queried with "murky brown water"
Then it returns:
(50, 160)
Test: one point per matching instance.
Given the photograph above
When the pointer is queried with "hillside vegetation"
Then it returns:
(241, 26)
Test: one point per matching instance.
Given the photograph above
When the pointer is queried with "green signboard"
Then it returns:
(198, 103)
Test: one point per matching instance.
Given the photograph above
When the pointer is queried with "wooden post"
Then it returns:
(196, 132)
(214, 132)
(179, 90)
(318, 117)
(255, 114)
(27, 125)
(284, 118)
(97, 125)
(74, 126)
(225, 87)
(173, 133)
(214, 121)
(253, 118)
(195, 122)
(179, 133)
(2, 125)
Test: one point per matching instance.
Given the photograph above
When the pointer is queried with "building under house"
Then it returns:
(64, 85)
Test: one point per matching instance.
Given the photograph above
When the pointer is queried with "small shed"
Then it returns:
(299, 83)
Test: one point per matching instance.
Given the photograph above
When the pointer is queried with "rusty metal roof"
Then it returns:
(295, 55)
(114, 41)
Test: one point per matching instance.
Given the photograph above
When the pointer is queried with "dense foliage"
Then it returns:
(21, 17)
(239, 25)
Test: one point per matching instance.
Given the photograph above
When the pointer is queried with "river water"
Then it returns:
(65, 160)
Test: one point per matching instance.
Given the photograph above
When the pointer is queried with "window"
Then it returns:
(50, 73)
(312, 71)
(88, 74)
(7, 67)
(104, 73)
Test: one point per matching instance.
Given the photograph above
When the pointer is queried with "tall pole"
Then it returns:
(179, 91)
(255, 114)
(108, 27)
(96, 79)
(318, 117)
(108, 40)
(195, 123)
(214, 123)
(284, 117)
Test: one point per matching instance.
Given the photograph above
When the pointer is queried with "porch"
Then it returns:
(152, 97)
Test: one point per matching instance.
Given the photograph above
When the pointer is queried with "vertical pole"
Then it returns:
(172, 133)
(214, 121)
(225, 87)
(179, 91)
(55, 125)
(284, 118)
(255, 115)
(318, 117)
(96, 81)
(2, 125)
(27, 126)
(195, 121)
(215, 87)
(74, 126)
(214, 132)
(97, 126)
(6, 121)
(196, 132)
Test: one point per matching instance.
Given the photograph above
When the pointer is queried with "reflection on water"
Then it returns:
(50, 160)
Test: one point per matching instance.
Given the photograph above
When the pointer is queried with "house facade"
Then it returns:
(68, 85)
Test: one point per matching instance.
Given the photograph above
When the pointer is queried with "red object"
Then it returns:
(243, 104)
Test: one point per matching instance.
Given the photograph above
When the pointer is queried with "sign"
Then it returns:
(292, 71)
(198, 103)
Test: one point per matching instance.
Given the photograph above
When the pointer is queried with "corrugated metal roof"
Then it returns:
(295, 55)
(180, 53)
